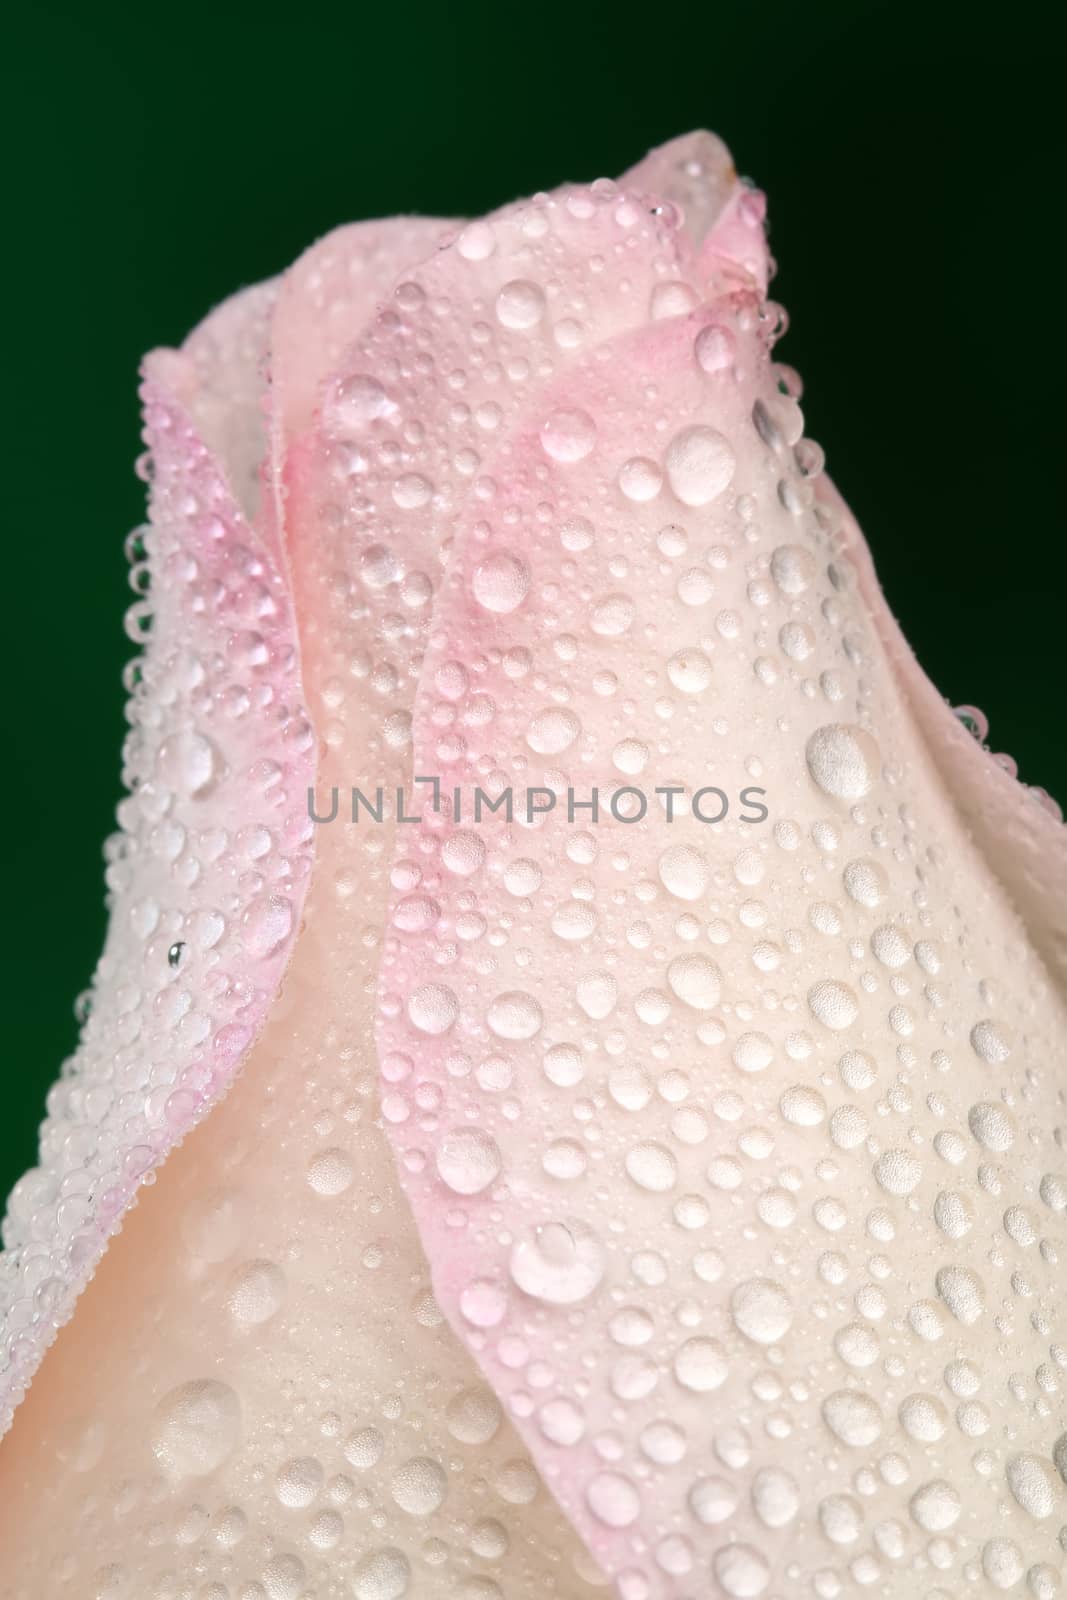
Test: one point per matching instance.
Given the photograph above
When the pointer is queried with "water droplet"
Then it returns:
(613, 1500)
(843, 760)
(935, 1506)
(897, 1172)
(500, 583)
(853, 1417)
(476, 242)
(552, 731)
(741, 1571)
(382, 1575)
(468, 1160)
(775, 1497)
(514, 1016)
(298, 1482)
(520, 305)
(611, 617)
(1032, 1481)
(256, 1292)
(701, 1365)
(330, 1172)
(1002, 1563)
(196, 1428)
(761, 1310)
(696, 981)
(640, 479)
(433, 1008)
(712, 1500)
(689, 671)
(357, 401)
(561, 1263)
(266, 925)
(568, 435)
(363, 1449)
(700, 465)
(652, 1167)
(792, 568)
(189, 763)
(990, 1042)
(474, 1416)
(683, 872)
(961, 1290)
(865, 883)
(833, 1004)
(714, 348)
(419, 1486)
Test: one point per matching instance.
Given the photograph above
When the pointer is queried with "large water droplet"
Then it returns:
(552, 731)
(843, 760)
(196, 1428)
(468, 1160)
(520, 305)
(500, 583)
(761, 1310)
(613, 1499)
(700, 465)
(382, 1575)
(514, 1016)
(189, 763)
(561, 1263)
(568, 435)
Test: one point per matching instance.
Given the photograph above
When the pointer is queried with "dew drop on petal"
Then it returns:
(568, 435)
(196, 1428)
(640, 479)
(853, 1417)
(382, 1575)
(683, 871)
(761, 1310)
(701, 1365)
(700, 465)
(468, 1160)
(613, 1499)
(559, 1262)
(843, 760)
(833, 1004)
(520, 305)
(696, 981)
(741, 1571)
(552, 731)
(500, 583)
(714, 348)
(432, 1008)
(514, 1016)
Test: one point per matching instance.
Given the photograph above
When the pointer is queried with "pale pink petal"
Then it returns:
(736, 1147)
(278, 1407)
(722, 217)
(206, 878)
(694, 172)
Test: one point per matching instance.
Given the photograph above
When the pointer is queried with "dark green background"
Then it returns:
(160, 156)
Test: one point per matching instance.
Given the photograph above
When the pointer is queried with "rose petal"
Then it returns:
(278, 1356)
(206, 878)
(707, 1125)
